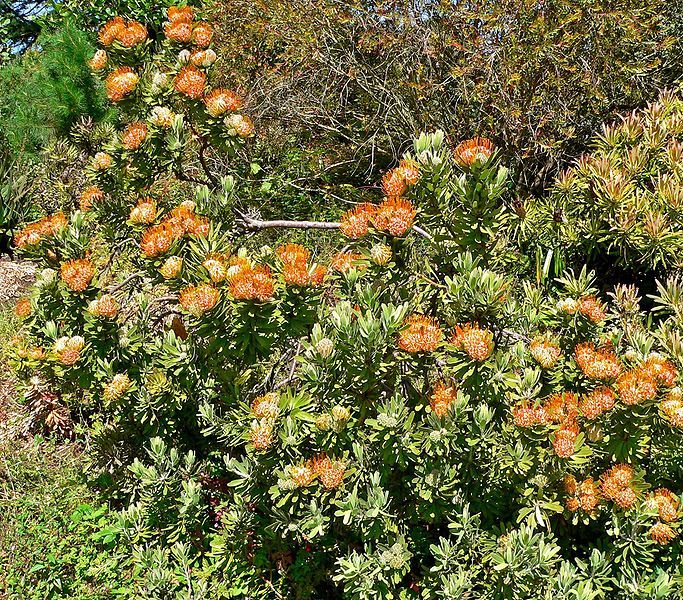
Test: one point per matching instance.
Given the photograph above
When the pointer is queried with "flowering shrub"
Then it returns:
(624, 199)
(401, 419)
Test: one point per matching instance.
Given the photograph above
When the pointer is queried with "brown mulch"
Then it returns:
(15, 277)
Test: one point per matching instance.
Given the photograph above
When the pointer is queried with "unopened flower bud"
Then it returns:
(380, 254)
(341, 413)
(325, 347)
(324, 422)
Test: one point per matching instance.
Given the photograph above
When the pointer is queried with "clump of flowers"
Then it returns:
(597, 363)
(616, 485)
(475, 341)
(394, 216)
(143, 213)
(636, 386)
(77, 274)
(477, 150)
(105, 307)
(121, 82)
(666, 503)
(597, 402)
(252, 283)
(662, 534)
(584, 496)
(117, 387)
(67, 350)
(198, 299)
(662, 370)
(181, 221)
(442, 398)
(133, 135)
(396, 182)
(545, 352)
(89, 196)
(34, 233)
(343, 262)
(127, 33)
(420, 334)
(190, 81)
(330, 472)
(565, 439)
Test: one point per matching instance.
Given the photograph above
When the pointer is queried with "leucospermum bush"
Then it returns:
(623, 199)
(401, 419)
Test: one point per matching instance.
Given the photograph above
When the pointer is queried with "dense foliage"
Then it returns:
(405, 407)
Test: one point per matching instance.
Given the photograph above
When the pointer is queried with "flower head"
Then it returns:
(98, 61)
(35, 232)
(162, 116)
(661, 533)
(252, 283)
(117, 387)
(475, 150)
(565, 439)
(667, 503)
(591, 307)
(239, 125)
(220, 101)
(356, 222)
(144, 212)
(198, 299)
(343, 262)
(330, 472)
(443, 396)
(101, 161)
(420, 334)
(636, 386)
(171, 267)
(180, 14)
(202, 34)
(475, 341)
(190, 81)
(105, 307)
(261, 435)
(266, 406)
(133, 135)
(178, 31)
(77, 274)
(203, 58)
(661, 369)
(597, 363)
(394, 216)
(615, 485)
(121, 82)
(111, 30)
(89, 196)
(597, 402)
(545, 352)
(67, 350)
(23, 308)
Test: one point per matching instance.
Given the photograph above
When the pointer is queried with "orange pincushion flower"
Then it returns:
(120, 83)
(661, 369)
(597, 402)
(178, 31)
(636, 386)
(395, 216)
(144, 213)
(469, 152)
(261, 435)
(252, 283)
(68, 349)
(133, 135)
(90, 195)
(220, 101)
(443, 396)
(265, 406)
(157, 240)
(561, 407)
(661, 533)
(597, 363)
(545, 353)
(615, 485)
(198, 299)
(202, 34)
(672, 408)
(98, 61)
(180, 14)
(132, 34)
(394, 183)
(294, 258)
(525, 415)
(23, 308)
(584, 495)
(410, 170)
(565, 439)
(318, 275)
(190, 82)
(330, 472)
(420, 334)
(667, 504)
(110, 31)
(302, 475)
(356, 222)
(343, 262)
(34, 233)
(475, 341)
(77, 274)
(591, 307)
(106, 307)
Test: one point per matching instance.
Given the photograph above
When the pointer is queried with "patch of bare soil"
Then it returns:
(15, 277)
